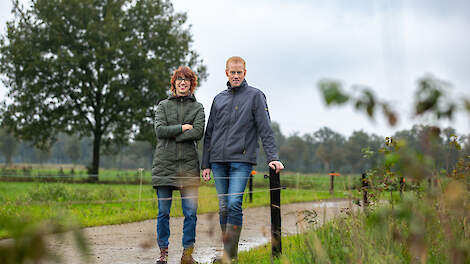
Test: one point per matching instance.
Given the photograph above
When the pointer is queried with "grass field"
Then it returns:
(102, 204)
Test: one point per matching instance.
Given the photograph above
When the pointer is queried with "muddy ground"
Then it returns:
(135, 242)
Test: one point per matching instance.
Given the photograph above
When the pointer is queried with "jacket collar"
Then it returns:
(243, 85)
(188, 97)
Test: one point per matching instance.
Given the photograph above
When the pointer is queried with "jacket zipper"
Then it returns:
(229, 125)
(179, 152)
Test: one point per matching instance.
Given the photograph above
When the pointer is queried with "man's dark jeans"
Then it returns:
(230, 182)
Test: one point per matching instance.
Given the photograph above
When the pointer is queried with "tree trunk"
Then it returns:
(95, 166)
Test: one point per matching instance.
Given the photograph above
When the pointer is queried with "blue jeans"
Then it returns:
(189, 206)
(231, 178)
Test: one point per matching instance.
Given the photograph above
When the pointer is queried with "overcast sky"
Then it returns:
(290, 45)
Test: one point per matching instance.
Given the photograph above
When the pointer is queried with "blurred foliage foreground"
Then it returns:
(430, 224)
(28, 243)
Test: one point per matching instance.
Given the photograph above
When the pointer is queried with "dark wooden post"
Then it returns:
(332, 182)
(365, 185)
(275, 194)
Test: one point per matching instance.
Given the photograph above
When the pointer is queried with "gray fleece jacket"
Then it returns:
(239, 116)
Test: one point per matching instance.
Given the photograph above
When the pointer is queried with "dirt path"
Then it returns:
(135, 242)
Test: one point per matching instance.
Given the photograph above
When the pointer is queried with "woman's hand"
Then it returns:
(206, 174)
(187, 127)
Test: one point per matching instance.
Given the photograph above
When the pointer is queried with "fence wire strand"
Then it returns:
(284, 179)
(142, 200)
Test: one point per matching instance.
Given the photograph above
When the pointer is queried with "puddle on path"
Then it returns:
(207, 254)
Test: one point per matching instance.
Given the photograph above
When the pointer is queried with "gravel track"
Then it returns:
(134, 243)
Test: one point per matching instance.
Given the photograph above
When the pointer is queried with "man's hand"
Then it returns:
(187, 127)
(276, 165)
(206, 174)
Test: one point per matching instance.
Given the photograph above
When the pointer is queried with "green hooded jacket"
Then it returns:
(176, 161)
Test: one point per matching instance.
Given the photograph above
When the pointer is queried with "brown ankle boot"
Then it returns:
(163, 259)
(187, 257)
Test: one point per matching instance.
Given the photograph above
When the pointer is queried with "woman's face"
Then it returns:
(182, 85)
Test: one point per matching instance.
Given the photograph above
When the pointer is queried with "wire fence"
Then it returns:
(293, 182)
(316, 182)
(20, 203)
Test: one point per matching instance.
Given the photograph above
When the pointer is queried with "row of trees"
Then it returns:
(321, 151)
(73, 150)
(325, 150)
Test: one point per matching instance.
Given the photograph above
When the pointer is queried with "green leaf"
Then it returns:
(332, 93)
(391, 159)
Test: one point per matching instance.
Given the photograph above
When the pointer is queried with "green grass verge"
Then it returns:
(412, 231)
(340, 241)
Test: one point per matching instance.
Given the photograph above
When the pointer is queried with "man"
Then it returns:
(238, 118)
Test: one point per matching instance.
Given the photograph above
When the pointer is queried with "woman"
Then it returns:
(179, 124)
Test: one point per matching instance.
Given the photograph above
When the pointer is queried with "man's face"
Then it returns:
(236, 73)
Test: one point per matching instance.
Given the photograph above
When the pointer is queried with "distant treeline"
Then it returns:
(321, 151)
(326, 150)
(73, 150)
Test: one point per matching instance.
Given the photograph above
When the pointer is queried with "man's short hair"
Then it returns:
(235, 59)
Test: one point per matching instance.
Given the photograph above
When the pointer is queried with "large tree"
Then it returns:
(92, 67)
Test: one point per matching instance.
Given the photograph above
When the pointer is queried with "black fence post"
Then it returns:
(275, 194)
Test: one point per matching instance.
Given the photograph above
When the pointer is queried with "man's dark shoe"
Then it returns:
(163, 259)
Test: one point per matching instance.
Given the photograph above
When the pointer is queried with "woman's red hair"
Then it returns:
(185, 72)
